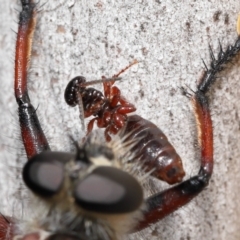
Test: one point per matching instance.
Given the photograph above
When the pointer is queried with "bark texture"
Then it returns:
(95, 38)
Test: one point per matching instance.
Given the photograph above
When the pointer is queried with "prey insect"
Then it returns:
(110, 112)
(96, 192)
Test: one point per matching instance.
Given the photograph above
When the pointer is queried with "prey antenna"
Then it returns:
(92, 82)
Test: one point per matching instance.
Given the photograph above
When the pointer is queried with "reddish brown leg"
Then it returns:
(33, 137)
(106, 134)
(115, 96)
(90, 125)
(6, 227)
(126, 109)
(162, 204)
(107, 85)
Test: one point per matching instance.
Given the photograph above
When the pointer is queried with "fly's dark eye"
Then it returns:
(109, 190)
(71, 90)
(66, 236)
(44, 173)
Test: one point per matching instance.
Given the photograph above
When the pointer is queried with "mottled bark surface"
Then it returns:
(95, 38)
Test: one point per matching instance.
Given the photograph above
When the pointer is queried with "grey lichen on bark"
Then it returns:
(95, 38)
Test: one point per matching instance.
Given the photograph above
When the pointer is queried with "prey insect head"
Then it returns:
(74, 87)
(78, 85)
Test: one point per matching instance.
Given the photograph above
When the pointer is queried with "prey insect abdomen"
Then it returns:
(154, 150)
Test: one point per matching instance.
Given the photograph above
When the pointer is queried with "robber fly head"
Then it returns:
(85, 193)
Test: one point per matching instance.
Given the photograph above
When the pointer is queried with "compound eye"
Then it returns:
(66, 236)
(109, 190)
(44, 173)
(73, 87)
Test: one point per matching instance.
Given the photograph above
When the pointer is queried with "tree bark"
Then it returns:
(95, 38)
